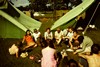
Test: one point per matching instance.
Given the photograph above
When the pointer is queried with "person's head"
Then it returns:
(70, 29)
(95, 49)
(75, 33)
(28, 32)
(48, 30)
(58, 30)
(80, 39)
(35, 30)
(72, 63)
(50, 43)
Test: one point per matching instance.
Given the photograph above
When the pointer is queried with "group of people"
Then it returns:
(70, 37)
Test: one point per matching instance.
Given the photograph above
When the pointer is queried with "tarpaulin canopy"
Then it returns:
(72, 13)
(24, 22)
(13, 26)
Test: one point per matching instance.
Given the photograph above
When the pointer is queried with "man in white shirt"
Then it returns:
(58, 35)
(36, 34)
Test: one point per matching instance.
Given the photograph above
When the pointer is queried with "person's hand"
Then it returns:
(75, 53)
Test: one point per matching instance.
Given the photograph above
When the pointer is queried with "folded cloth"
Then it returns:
(23, 55)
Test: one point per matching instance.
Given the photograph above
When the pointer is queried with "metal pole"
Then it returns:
(91, 19)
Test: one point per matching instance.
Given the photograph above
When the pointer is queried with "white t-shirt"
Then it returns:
(65, 31)
(36, 35)
(58, 35)
(48, 35)
(70, 35)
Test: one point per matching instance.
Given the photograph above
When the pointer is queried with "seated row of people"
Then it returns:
(59, 35)
(68, 36)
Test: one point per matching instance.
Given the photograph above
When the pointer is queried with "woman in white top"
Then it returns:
(48, 34)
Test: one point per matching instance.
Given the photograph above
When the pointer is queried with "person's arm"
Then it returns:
(23, 39)
(17, 51)
(55, 56)
(75, 38)
(71, 45)
(45, 36)
(55, 35)
(39, 34)
(80, 50)
(65, 37)
(51, 36)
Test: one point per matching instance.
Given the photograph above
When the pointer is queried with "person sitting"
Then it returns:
(58, 36)
(48, 34)
(67, 35)
(36, 34)
(16, 49)
(13, 50)
(85, 44)
(93, 59)
(74, 40)
(29, 40)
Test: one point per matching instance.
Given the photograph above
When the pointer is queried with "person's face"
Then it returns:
(28, 32)
(75, 34)
(58, 30)
(70, 30)
(35, 31)
(48, 30)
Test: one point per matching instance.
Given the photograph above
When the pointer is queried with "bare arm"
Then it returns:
(45, 36)
(23, 39)
(17, 53)
(51, 35)
(83, 48)
(75, 38)
(71, 45)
